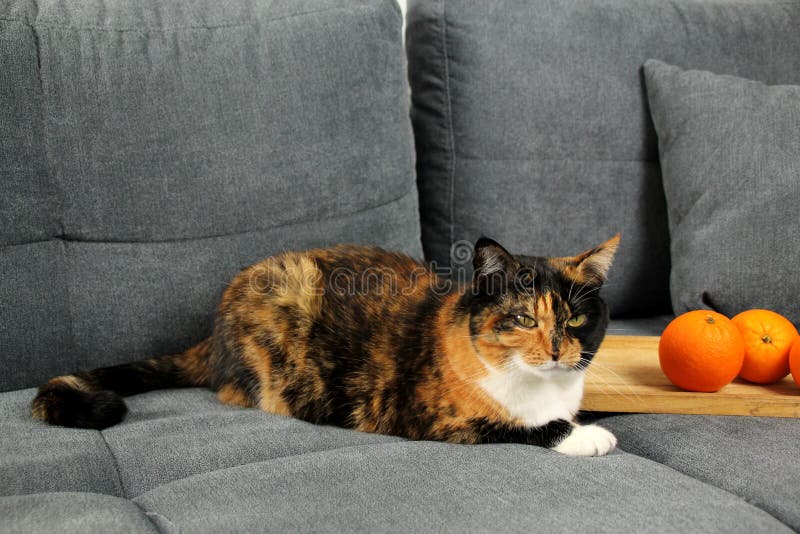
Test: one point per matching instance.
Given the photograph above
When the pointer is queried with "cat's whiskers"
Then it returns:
(571, 287)
(583, 364)
(587, 289)
(605, 386)
(608, 369)
(584, 292)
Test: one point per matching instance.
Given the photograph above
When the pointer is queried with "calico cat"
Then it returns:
(372, 340)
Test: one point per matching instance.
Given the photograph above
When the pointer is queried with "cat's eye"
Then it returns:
(525, 321)
(577, 320)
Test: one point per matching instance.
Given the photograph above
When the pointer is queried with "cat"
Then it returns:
(362, 338)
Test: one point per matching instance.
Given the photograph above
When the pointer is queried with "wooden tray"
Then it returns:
(625, 377)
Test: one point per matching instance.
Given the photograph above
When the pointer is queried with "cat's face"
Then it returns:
(538, 315)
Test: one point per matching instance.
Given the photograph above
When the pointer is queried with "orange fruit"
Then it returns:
(794, 360)
(701, 351)
(767, 340)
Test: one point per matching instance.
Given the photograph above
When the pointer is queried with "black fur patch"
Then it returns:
(98, 403)
(548, 435)
(65, 406)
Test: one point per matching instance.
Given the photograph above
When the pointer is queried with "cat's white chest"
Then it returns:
(534, 399)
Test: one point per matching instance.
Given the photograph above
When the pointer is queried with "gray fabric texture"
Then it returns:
(532, 126)
(730, 153)
(435, 487)
(752, 457)
(171, 435)
(193, 463)
(151, 150)
(79, 513)
(36, 458)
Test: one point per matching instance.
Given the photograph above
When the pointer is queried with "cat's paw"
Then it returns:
(589, 440)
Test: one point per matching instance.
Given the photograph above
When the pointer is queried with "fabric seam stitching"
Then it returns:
(400, 440)
(178, 28)
(217, 236)
(147, 514)
(50, 170)
(283, 457)
(565, 159)
(709, 484)
(449, 123)
(116, 465)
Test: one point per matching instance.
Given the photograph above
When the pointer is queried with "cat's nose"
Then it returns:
(555, 354)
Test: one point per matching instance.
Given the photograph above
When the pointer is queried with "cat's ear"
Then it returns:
(591, 267)
(490, 258)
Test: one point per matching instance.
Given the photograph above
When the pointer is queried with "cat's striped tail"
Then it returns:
(93, 399)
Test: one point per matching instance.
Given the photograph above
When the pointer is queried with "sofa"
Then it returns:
(149, 150)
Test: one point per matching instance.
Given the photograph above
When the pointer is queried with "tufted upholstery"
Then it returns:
(149, 149)
(153, 149)
(532, 124)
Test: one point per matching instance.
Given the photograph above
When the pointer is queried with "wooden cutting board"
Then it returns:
(625, 377)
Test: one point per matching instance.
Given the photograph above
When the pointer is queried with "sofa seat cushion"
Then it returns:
(755, 458)
(428, 486)
(68, 513)
(173, 434)
(197, 465)
(35, 457)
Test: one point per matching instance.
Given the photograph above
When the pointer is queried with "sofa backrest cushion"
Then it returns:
(532, 125)
(149, 150)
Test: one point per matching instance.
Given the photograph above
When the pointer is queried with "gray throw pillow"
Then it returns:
(730, 157)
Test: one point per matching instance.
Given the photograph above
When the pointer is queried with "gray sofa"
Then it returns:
(151, 149)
